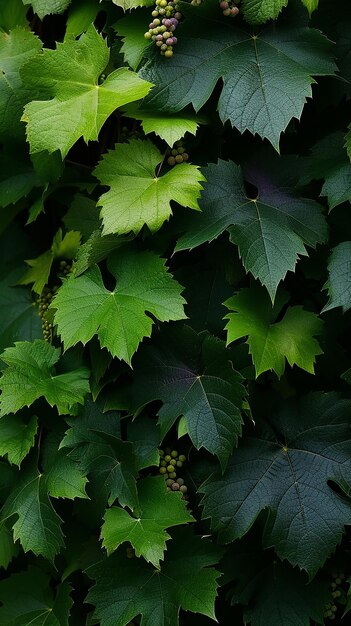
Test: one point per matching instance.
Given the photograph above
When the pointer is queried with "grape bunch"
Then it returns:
(229, 8)
(65, 268)
(129, 134)
(170, 462)
(177, 154)
(166, 19)
(44, 302)
(339, 595)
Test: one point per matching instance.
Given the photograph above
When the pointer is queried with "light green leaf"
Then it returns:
(311, 5)
(132, 28)
(271, 230)
(28, 600)
(62, 248)
(133, 4)
(17, 437)
(16, 48)
(29, 376)
(339, 281)
(271, 342)
(138, 195)
(146, 528)
(84, 307)
(37, 526)
(72, 98)
(47, 7)
(260, 11)
(126, 587)
(170, 127)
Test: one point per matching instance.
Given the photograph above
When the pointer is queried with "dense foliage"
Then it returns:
(175, 295)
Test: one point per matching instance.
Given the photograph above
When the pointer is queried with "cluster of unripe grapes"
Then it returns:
(166, 19)
(229, 8)
(65, 268)
(177, 154)
(339, 595)
(127, 134)
(44, 302)
(170, 462)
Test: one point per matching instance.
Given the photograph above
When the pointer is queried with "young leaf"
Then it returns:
(270, 342)
(72, 98)
(137, 195)
(266, 77)
(271, 230)
(47, 7)
(15, 49)
(126, 587)
(84, 307)
(17, 437)
(30, 376)
(193, 376)
(339, 281)
(37, 526)
(157, 510)
(169, 127)
(260, 11)
(286, 466)
(27, 598)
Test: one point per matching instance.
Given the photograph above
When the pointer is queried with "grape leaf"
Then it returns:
(12, 14)
(96, 249)
(17, 437)
(126, 587)
(37, 525)
(62, 248)
(329, 160)
(169, 127)
(29, 376)
(266, 77)
(132, 28)
(133, 4)
(271, 592)
(81, 14)
(47, 7)
(311, 5)
(82, 216)
(193, 376)
(65, 478)
(15, 49)
(260, 11)
(271, 231)
(72, 98)
(19, 320)
(27, 598)
(157, 510)
(339, 281)
(270, 342)
(285, 466)
(137, 195)
(84, 307)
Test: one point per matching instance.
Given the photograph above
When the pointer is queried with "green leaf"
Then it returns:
(84, 307)
(29, 376)
(271, 231)
(260, 11)
(64, 477)
(138, 195)
(17, 177)
(193, 376)
(12, 14)
(339, 280)
(126, 587)
(47, 7)
(37, 525)
(286, 465)
(311, 5)
(16, 48)
(96, 249)
(40, 268)
(271, 342)
(17, 437)
(266, 77)
(132, 28)
(169, 127)
(146, 529)
(19, 320)
(27, 598)
(329, 160)
(72, 98)
(82, 216)
(133, 4)
(81, 14)
(8, 549)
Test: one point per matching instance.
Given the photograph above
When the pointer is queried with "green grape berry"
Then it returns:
(162, 470)
(174, 454)
(182, 458)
